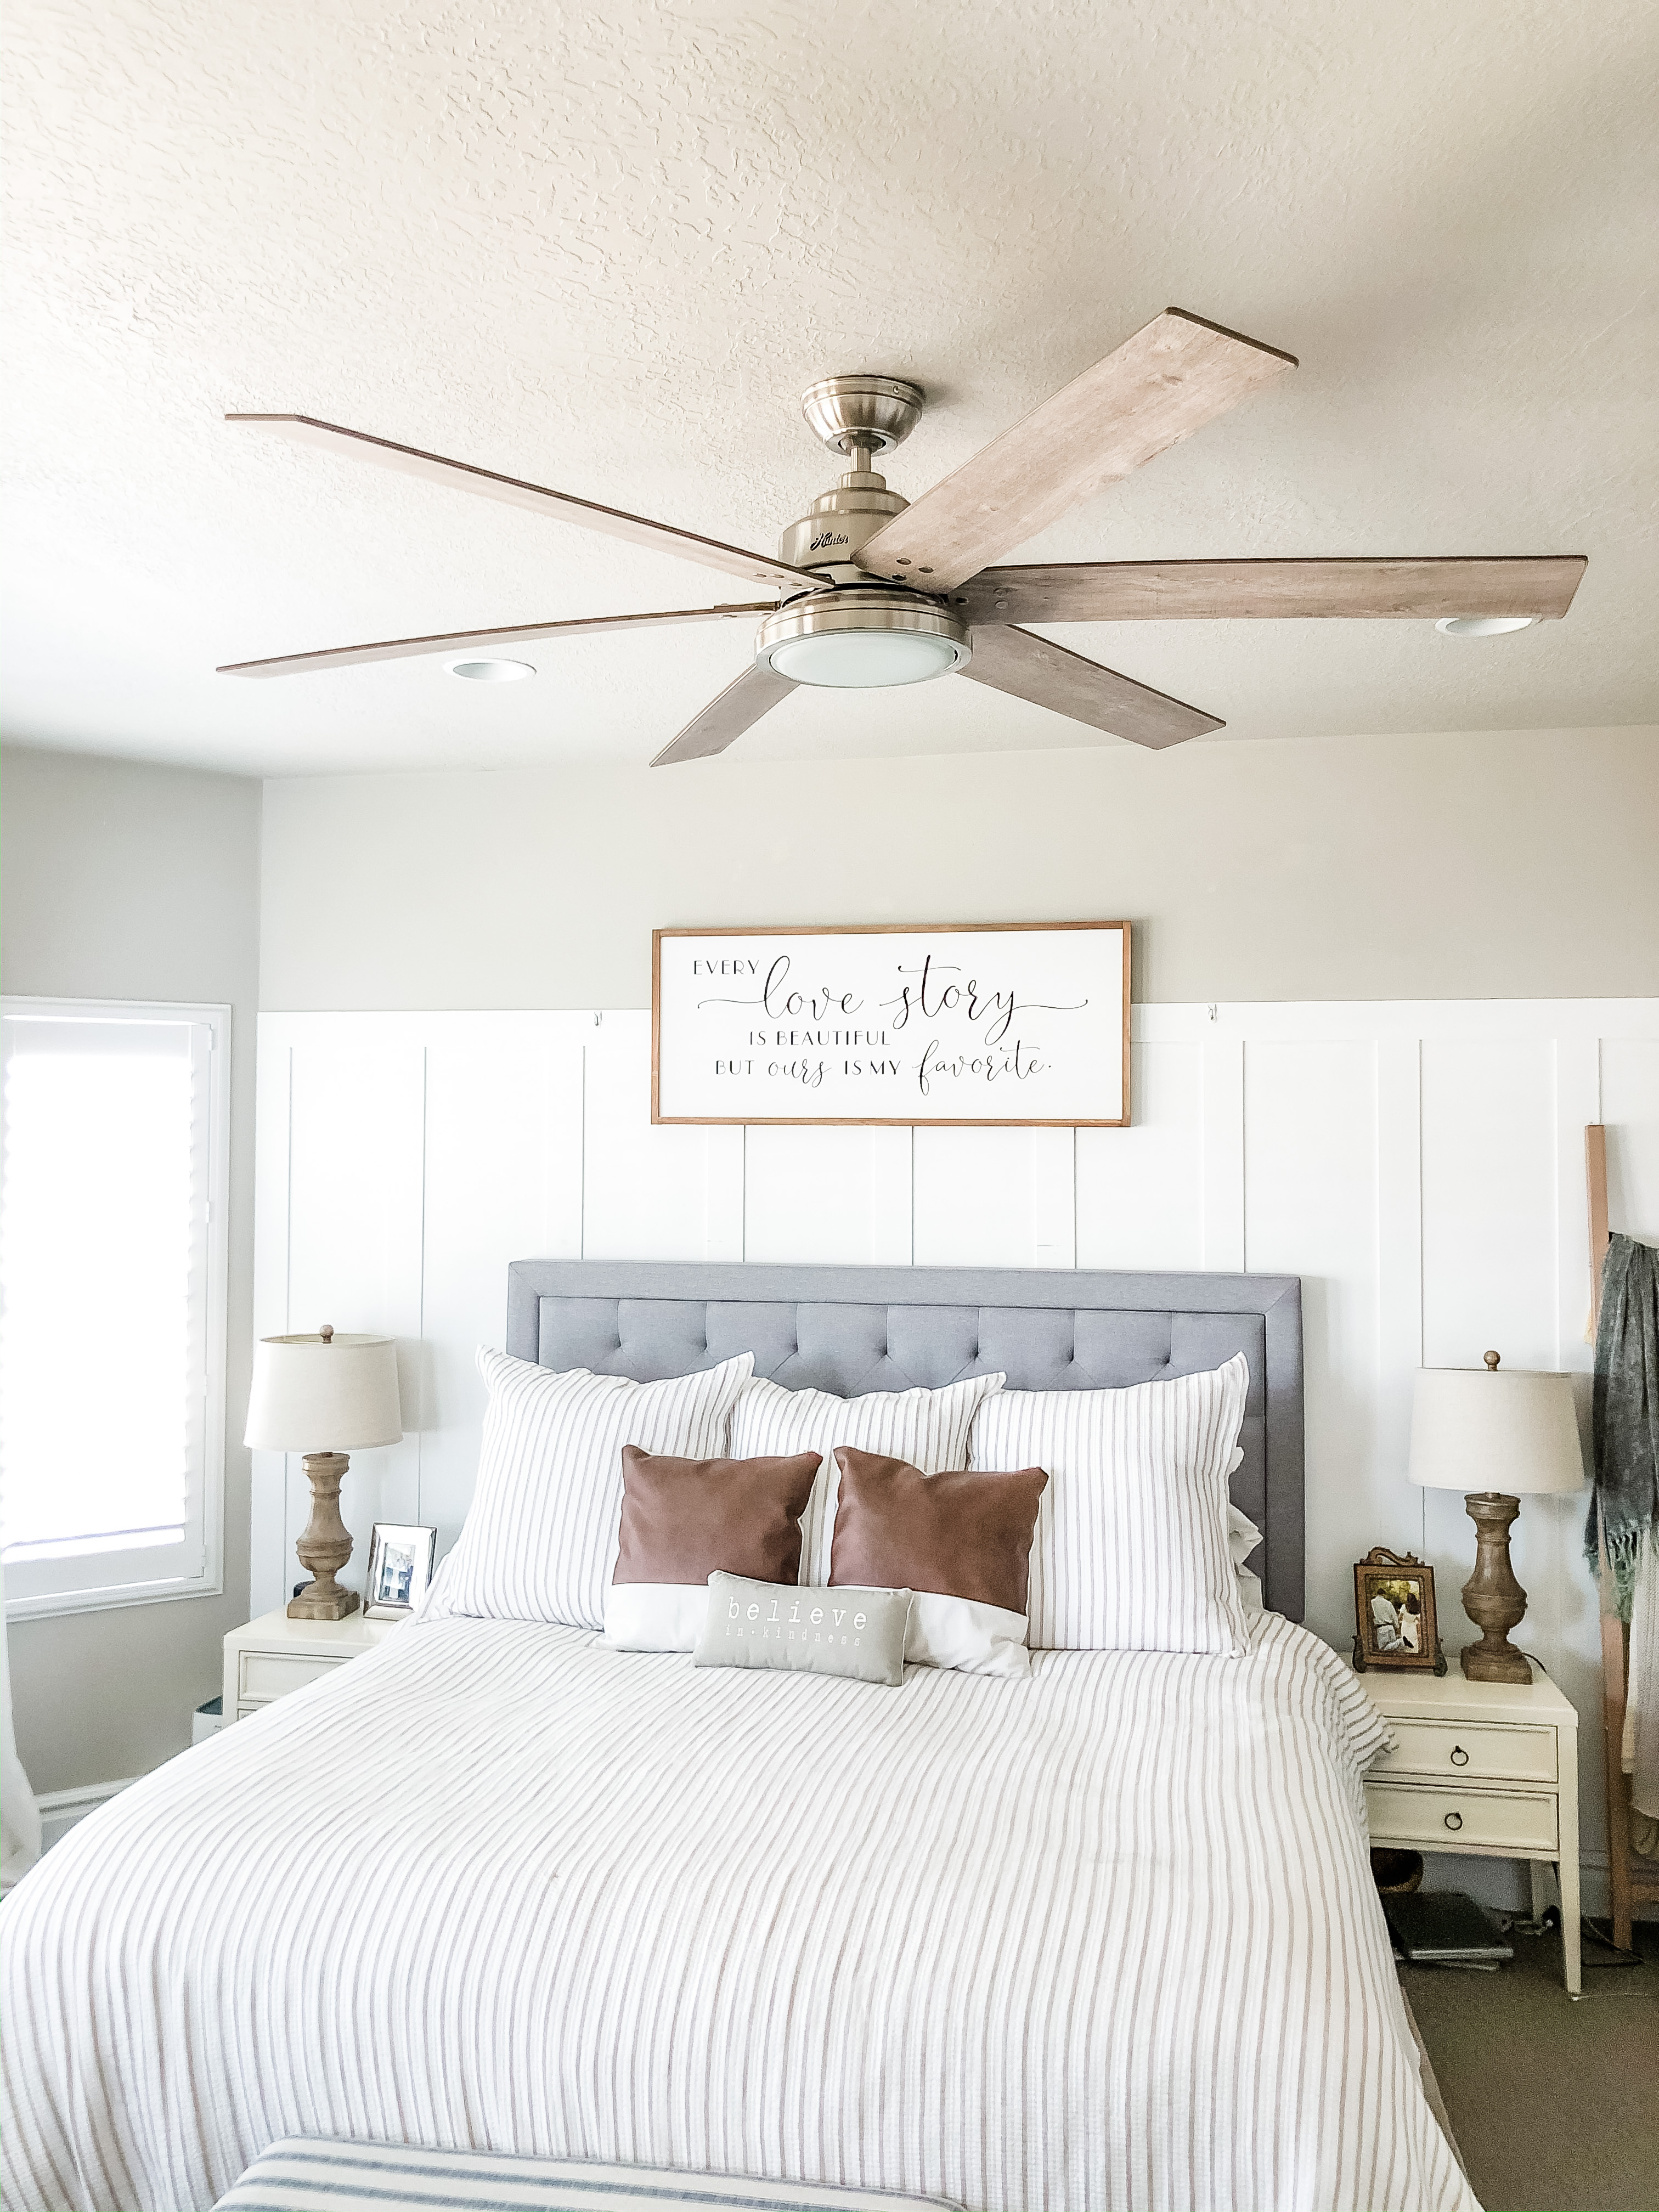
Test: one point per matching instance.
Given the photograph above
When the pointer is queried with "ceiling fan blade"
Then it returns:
(1035, 668)
(1168, 381)
(1256, 591)
(477, 641)
(409, 460)
(723, 720)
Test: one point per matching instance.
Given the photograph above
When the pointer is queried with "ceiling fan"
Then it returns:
(873, 591)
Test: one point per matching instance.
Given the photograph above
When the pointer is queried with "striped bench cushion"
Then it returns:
(307, 2173)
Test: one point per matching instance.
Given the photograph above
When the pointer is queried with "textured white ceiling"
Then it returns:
(606, 247)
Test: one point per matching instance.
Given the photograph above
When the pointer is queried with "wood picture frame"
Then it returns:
(1072, 1052)
(1396, 1624)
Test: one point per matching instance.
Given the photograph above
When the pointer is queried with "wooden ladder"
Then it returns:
(1633, 1881)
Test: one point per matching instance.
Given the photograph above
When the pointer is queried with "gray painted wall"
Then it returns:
(119, 880)
(1473, 865)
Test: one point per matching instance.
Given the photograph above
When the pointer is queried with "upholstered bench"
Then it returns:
(309, 2173)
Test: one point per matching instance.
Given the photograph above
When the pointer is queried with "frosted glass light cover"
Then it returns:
(313, 1396)
(1481, 625)
(1511, 1430)
(864, 660)
(491, 671)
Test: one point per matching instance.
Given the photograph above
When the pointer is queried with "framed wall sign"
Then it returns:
(947, 1024)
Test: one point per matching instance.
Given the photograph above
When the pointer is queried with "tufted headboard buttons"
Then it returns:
(853, 1329)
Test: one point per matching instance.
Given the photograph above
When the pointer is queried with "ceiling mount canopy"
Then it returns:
(871, 591)
(862, 414)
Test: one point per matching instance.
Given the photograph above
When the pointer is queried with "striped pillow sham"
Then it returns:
(332, 2175)
(929, 1428)
(540, 1538)
(1131, 1551)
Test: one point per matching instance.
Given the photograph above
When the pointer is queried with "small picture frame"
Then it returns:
(400, 1561)
(1394, 1623)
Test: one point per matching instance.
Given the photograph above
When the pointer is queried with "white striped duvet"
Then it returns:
(1105, 1938)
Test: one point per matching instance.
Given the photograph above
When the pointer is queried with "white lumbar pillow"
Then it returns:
(956, 1632)
(965, 1634)
(540, 1538)
(654, 1616)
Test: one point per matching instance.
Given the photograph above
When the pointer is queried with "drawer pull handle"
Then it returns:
(1460, 1757)
(1453, 1820)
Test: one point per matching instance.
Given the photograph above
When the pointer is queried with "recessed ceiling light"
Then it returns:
(491, 671)
(1481, 625)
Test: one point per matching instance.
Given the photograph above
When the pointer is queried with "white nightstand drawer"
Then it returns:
(1443, 1819)
(267, 1658)
(1470, 1753)
(268, 1674)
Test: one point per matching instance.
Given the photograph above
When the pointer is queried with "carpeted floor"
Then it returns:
(1555, 2106)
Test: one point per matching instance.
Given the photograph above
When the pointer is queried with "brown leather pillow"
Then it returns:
(683, 1520)
(962, 1535)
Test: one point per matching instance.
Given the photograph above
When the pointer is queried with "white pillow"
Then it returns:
(963, 1633)
(1131, 1551)
(540, 1538)
(929, 1428)
(654, 1616)
(954, 1632)
(1242, 1535)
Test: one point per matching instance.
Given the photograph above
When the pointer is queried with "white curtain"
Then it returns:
(20, 1816)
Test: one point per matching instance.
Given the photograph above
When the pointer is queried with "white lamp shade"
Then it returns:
(1507, 1430)
(314, 1396)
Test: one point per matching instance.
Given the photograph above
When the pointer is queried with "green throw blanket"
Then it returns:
(1624, 1412)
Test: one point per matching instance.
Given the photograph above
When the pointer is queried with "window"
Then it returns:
(113, 1218)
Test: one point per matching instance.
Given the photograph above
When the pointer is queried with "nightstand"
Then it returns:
(1486, 1769)
(274, 1655)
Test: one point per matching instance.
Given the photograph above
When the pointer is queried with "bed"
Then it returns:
(1101, 1939)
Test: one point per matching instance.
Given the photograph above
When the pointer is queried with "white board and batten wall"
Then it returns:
(1420, 1166)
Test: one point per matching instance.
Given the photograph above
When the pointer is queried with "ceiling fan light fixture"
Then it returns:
(1481, 625)
(855, 639)
(863, 660)
(491, 671)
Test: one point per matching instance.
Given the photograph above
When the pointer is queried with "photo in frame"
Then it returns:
(1394, 1621)
(400, 1562)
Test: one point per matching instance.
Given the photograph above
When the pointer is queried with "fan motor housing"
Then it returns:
(841, 521)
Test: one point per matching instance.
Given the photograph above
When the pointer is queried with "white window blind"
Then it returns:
(111, 1302)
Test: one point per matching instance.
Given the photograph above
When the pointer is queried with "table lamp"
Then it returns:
(327, 1396)
(1494, 1436)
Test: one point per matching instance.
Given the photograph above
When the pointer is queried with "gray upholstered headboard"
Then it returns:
(850, 1329)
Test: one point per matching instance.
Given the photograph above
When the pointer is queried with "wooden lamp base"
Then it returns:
(325, 1545)
(1492, 1598)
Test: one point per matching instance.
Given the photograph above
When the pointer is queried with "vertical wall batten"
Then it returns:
(1224, 1152)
